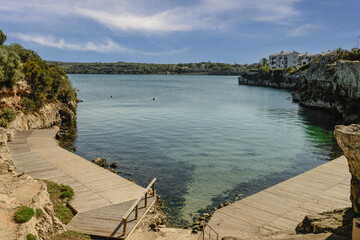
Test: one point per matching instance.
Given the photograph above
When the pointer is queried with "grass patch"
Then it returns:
(39, 213)
(23, 214)
(60, 195)
(30, 237)
(63, 213)
(70, 235)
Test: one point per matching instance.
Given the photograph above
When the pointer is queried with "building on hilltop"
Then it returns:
(290, 59)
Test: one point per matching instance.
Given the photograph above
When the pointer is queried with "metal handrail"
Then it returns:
(136, 204)
(211, 230)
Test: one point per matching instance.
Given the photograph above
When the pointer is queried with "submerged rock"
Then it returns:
(101, 162)
(348, 138)
(114, 165)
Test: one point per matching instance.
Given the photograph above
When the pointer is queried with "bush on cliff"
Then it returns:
(7, 115)
(60, 195)
(48, 82)
(10, 67)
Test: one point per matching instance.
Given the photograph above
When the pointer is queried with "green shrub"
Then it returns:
(7, 116)
(63, 213)
(39, 213)
(290, 70)
(30, 237)
(10, 67)
(66, 192)
(59, 196)
(23, 214)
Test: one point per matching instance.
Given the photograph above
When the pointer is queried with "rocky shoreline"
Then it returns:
(324, 84)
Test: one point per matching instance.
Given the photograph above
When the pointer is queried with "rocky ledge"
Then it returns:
(348, 138)
(323, 84)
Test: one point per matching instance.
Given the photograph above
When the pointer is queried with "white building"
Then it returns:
(289, 59)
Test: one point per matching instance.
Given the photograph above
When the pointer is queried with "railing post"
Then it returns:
(153, 189)
(124, 227)
(136, 211)
(203, 230)
(146, 199)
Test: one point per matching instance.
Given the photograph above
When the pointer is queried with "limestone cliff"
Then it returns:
(48, 115)
(275, 79)
(325, 84)
(332, 86)
(348, 138)
(18, 189)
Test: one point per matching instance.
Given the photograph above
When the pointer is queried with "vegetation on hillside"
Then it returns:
(48, 82)
(60, 195)
(70, 235)
(343, 54)
(207, 68)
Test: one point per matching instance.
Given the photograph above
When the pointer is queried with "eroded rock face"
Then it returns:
(348, 138)
(326, 84)
(332, 86)
(338, 221)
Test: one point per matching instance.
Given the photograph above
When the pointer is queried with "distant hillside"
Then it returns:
(204, 68)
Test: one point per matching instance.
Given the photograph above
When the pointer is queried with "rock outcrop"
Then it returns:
(101, 162)
(332, 86)
(348, 138)
(48, 115)
(338, 221)
(325, 84)
(18, 189)
(275, 79)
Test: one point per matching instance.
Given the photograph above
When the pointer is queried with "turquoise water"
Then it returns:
(204, 137)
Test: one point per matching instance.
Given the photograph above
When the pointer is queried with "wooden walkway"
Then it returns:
(101, 197)
(280, 208)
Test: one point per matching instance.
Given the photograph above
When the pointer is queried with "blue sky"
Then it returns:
(164, 31)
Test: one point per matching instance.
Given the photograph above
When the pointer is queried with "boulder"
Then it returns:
(348, 138)
(338, 221)
(114, 165)
(101, 162)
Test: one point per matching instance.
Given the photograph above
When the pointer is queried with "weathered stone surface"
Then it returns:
(101, 162)
(348, 138)
(326, 84)
(338, 221)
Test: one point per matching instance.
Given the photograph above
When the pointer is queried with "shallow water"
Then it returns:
(204, 137)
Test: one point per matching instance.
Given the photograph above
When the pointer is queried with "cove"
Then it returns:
(205, 138)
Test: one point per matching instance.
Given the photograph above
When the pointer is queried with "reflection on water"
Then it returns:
(205, 138)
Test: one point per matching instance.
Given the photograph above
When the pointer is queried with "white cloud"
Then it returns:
(108, 47)
(160, 16)
(303, 30)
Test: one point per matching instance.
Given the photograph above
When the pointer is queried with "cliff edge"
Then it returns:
(329, 83)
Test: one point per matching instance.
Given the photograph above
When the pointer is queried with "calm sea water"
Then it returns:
(205, 138)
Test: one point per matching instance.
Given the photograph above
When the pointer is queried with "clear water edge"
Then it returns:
(204, 137)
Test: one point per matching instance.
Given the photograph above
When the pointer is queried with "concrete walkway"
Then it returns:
(101, 197)
(280, 208)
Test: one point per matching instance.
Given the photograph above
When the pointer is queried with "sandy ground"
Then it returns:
(14, 192)
(164, 234)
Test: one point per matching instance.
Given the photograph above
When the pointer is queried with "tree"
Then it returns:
(2, 37)
(10, 67)
(264, 61)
